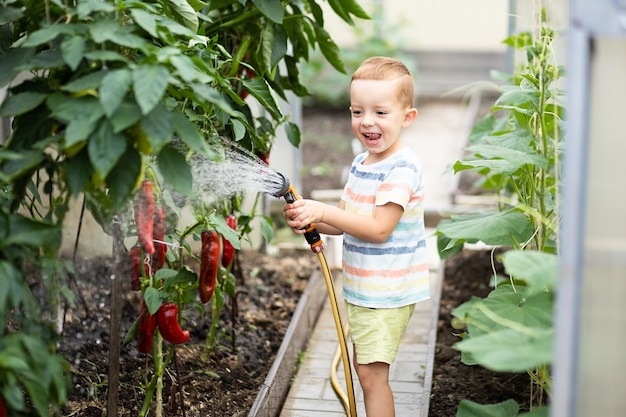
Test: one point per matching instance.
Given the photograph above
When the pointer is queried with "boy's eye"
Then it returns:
(380, 112)
(356, 112)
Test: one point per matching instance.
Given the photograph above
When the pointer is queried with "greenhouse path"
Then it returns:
(438, 137)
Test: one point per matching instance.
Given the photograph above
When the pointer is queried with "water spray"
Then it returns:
(313, 238)
(243, 170)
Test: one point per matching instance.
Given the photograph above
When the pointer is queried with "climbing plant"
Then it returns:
(516, 150)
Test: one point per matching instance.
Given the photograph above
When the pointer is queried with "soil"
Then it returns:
(467, 274)
(220, 382)
(225, 381)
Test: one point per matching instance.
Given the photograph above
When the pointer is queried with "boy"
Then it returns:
(385, 269)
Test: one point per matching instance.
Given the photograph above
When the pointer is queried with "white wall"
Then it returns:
(433, 25)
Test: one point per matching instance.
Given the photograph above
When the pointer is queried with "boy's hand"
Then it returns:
(302, 213)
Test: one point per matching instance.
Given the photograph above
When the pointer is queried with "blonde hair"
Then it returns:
(380, 68)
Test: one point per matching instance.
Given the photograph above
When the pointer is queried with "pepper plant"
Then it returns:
(102, 92)
(516, 149)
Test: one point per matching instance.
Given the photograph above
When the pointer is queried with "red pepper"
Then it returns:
(135, 271)
(263, 156)
(144, 216)
(158, 260)
(169, 327)
(145, 332)
(227, 248)
(209, 258)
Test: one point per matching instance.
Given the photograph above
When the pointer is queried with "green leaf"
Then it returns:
(267, 228)
(38, 395)
(224, 229)
(171, 277)
(272, 9)
(175, 170)
(165, 274)
(24, 231)
(510, 330)
(9, 14)
(105, 56)
(9, 361)
(187, 70)
(20, 103)
(47, 34)
(12, 62)
(114, 87)
(538, 269)
(211, 95)
(68, 109)
(147, 21)
(126, 115)
(515, 97)
(499, 159)
(338, 8)
(110, 30)
(520, 40)
(79, 171)
(190, 135)
(329, 49)
(239, 129)
(10, 290)
(265, 48)
(88, 7)
(77, 131)
(484, 127)
(467, 408)
(353, 7)
(122, 179)
(293, 133)
(537, 412)
(21, 164)
(149, 83)
(509, 350)
(279, 45)
(157, 125)
(259, 89)
(72, 49)
(105, 149)
(153, 299)
(500, 228)
(185, 13)
(90, 81)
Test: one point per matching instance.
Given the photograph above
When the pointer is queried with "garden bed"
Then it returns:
(225, 383)
(467, 274)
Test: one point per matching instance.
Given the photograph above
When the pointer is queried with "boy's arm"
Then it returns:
(329, 219)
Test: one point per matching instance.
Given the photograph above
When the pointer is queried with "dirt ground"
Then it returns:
(221, 382)
(467, 274)
(226, 382)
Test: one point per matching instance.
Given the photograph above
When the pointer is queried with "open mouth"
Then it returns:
(371, 136)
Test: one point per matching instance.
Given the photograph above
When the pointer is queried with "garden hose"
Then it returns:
(313, 238)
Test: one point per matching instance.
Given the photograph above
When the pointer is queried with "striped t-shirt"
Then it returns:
(394, 273)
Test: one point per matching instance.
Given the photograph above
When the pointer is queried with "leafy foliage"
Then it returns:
(104, 93)
(517, 151)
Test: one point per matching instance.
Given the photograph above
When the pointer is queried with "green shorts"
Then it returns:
(376, 332)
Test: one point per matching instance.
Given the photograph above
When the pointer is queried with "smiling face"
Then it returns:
(378, 116)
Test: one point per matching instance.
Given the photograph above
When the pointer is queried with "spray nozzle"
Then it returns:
(288, 192)
(284, 189)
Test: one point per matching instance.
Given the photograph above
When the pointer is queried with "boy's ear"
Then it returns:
(410, 117)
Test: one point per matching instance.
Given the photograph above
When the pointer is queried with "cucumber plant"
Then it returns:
(516, 150)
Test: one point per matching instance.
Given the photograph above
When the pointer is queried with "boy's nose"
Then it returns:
(367, 120)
